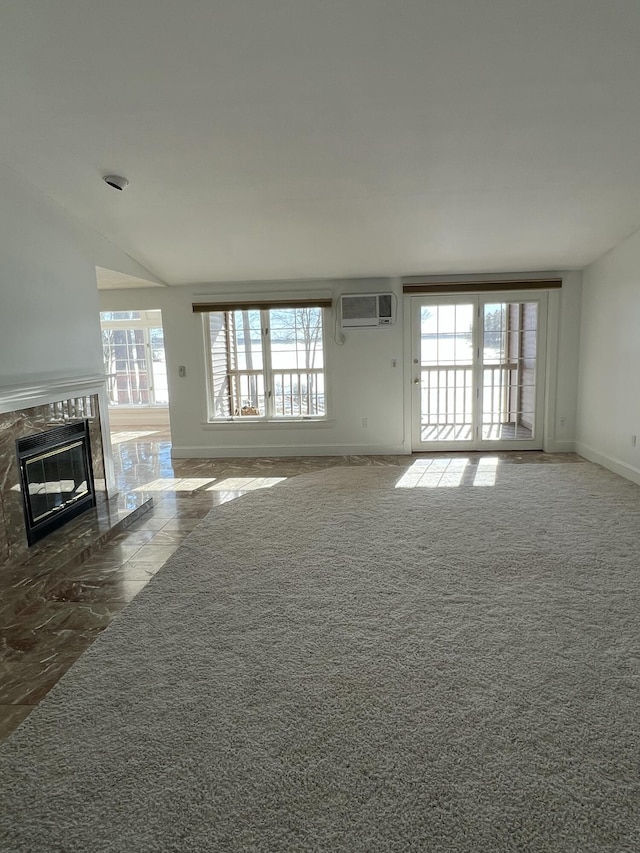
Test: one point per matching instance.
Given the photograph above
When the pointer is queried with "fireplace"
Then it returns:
(56, 477)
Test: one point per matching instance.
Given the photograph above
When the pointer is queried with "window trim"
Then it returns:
(149, 319)
(269, 418)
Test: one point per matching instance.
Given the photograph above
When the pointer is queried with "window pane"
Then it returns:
(219, 365)
(494, 333)
(239, 376)
(296, 338)
(297, 360)
(237, 364)
(159, 367)
(248, 393)
(247, 328)
(297, 393)
(125, 359)
(135, 352)
(445, 335)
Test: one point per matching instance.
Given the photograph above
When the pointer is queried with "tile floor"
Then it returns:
(50, 616)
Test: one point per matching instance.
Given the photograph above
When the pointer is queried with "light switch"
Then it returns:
(182, 371)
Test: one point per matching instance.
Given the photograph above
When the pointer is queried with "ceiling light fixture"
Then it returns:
(116, 181)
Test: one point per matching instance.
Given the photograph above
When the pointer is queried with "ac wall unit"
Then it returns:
(367, 309)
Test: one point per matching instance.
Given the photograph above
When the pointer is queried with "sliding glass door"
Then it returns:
(477, 372)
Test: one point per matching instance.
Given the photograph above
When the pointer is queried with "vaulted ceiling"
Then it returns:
(269, 139)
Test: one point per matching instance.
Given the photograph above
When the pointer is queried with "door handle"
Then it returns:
(416, 381)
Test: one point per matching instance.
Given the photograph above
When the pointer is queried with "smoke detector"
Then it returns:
(116, 181)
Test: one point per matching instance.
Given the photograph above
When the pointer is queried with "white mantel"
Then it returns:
(40, 390)
(23, 393)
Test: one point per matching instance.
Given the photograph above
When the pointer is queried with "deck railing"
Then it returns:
(447, 393)
(295, 393)
(299, 392)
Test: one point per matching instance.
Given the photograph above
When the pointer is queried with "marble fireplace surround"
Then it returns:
(36, 405)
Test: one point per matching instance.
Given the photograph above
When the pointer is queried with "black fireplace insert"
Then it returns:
(56, 477)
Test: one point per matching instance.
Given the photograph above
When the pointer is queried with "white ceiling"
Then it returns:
(279, 139)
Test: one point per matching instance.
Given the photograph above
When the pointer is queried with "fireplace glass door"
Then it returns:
(56, 476)
(55, 479)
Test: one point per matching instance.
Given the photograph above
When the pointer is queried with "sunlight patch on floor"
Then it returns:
(487, 471)
(172, 484)
(441, 473)
(245, 484)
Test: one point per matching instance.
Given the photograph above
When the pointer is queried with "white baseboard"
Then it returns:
(208, 452)
(629, 472)
(277, 450)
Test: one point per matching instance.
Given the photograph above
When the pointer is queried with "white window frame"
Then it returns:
(267, 372)
(150, 319)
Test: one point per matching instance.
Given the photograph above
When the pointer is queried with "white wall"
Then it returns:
(563, 347)
(361, 380)
(49, 323)
(49, 326)
(609, 383)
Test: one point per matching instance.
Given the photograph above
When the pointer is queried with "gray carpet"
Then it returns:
(336, 664)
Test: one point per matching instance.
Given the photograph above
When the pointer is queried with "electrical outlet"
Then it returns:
(563, 421)
(394, 362)
(365, 422)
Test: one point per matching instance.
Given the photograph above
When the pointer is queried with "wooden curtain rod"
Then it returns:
(479, 286)
(258, 305)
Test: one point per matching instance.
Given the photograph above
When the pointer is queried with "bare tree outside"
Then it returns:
(252, 403)
(299, 325)
(125, 359)
(302, 327)
(269, 362)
